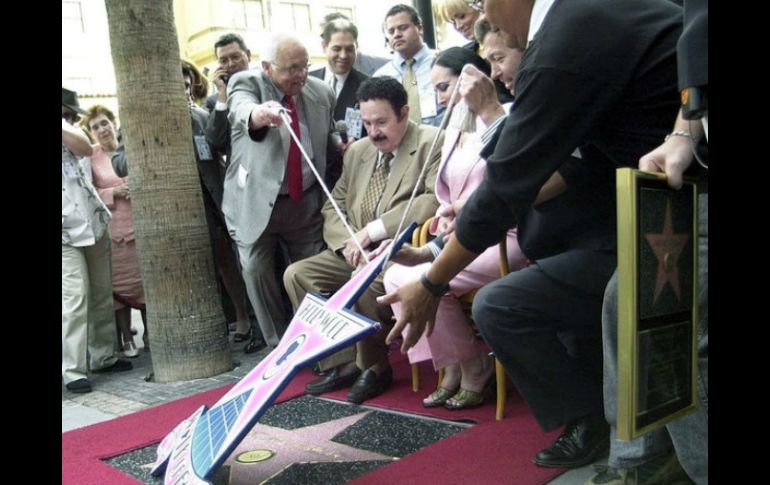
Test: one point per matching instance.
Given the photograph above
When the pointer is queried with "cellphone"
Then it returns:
(206, 71)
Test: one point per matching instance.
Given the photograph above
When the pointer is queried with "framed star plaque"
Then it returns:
(657, 301)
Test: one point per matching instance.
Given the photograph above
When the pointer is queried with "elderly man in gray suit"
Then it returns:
(378, 175)
(271, 195)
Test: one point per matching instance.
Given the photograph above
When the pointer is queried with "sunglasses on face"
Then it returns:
(477, 5)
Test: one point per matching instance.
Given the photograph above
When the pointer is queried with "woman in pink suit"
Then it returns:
(469, 370)
(113, 189)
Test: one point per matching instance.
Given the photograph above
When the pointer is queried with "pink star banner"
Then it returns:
(198, 446)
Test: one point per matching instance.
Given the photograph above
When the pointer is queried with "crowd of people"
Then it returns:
(550, 98)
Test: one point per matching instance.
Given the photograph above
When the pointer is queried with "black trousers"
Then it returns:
(547, 335)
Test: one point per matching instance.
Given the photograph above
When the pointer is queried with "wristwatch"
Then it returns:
(433, 288)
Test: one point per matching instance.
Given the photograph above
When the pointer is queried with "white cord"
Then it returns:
(287, 121)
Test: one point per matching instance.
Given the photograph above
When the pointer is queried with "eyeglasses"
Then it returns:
(442, 87)
(477, 5)
(70, 117)
(292, 70)
(233, 58)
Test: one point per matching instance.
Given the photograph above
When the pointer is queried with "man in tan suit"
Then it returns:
(378, 175)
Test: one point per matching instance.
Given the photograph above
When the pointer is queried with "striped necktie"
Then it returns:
(375, 189)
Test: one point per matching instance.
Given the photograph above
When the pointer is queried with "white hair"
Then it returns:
(276, 41)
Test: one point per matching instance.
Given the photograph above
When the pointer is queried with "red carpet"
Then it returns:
(491, 452)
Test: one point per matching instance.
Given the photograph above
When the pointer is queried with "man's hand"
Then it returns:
(407, 255)
(480, 95)
(673, 157)
(266, 114)
(219, 81)
(351, 252)
(418, 310)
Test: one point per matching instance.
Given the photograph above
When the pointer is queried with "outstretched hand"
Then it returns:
(418, 310)
(407, 255)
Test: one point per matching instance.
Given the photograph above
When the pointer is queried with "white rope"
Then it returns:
(287, 121)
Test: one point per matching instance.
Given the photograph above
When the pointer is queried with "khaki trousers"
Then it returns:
(87, 312)
(324, 274)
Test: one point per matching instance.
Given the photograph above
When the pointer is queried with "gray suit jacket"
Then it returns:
(358, 166)
(258, 160)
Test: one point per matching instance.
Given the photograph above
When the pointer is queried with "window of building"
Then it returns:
(346, 11)
(72, 17)
(247, 14)
(297, 15)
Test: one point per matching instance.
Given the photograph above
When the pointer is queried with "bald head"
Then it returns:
(285, 61)
(511, 17)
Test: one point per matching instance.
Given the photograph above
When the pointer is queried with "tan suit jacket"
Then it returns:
(358, 166)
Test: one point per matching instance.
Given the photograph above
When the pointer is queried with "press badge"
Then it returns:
(354, 122)
(203, 149)
(427, 102)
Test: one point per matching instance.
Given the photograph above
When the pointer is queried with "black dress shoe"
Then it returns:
(332, 382)
(120, 365)
(79, 386)
(582, 442)
(370, 385)
(254, 345)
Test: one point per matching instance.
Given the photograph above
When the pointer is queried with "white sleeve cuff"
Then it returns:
(376, 230)
(220, 106)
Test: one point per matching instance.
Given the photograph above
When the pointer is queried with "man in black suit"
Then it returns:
(613, 103)
(649, 459)
(340, 44)
(233, 56)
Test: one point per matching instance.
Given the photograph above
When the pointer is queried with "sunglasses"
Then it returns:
(477, 5)
(70, 117)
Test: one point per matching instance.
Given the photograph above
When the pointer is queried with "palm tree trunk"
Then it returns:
(187, 326)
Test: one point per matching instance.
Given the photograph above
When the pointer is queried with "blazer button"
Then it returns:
(270, 204)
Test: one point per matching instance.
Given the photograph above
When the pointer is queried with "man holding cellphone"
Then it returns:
(233, 56)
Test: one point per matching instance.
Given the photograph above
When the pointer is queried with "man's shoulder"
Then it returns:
(318, 88)
(318, 73)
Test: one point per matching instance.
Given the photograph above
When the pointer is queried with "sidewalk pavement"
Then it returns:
(120, 393)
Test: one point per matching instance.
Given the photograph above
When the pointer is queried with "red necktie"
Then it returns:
(295, 157)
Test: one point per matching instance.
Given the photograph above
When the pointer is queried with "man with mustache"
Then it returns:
(378, 176)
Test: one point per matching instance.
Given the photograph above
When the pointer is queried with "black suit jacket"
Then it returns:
(346, 99)
(218, 128)
(618, 98)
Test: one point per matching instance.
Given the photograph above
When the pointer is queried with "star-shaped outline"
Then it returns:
(667, 245)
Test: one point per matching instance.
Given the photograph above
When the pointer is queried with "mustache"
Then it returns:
(379, 138)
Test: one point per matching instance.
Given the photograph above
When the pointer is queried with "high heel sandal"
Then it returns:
(439, 396)
(465, 399)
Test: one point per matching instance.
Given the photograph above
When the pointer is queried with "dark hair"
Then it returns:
(228, 39)
(386, 88)
(333, 16)
(339, 25)
(455, 58)
(397, 9)
(481, 28)
(199, 87)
